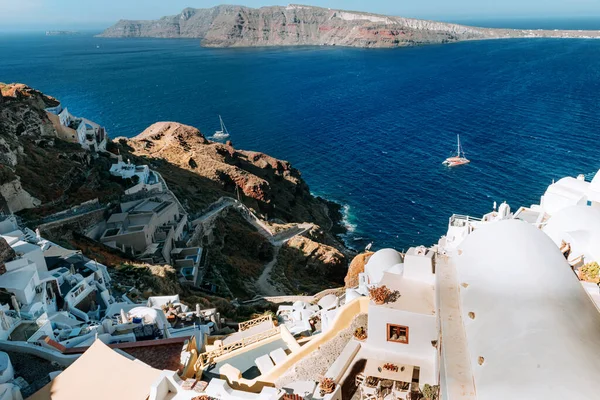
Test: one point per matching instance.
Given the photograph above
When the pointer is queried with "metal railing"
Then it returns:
(209, 356)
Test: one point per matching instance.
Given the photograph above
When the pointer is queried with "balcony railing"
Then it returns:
(254, 322)
(210, 356)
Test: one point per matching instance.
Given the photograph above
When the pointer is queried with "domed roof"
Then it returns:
(380, 262)
(579, 226)
(532, 331)
(566, 192)
(595, 184)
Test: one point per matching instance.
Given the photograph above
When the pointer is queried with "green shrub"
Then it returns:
(590, 272)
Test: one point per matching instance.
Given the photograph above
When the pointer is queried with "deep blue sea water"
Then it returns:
(367, 128)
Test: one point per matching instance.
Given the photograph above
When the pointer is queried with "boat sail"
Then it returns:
(223, 133)
(459, 158)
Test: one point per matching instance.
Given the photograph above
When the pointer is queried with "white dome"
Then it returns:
(380, 262)
(397, 269)
(564, 193)
(580, 227)
(535, 327)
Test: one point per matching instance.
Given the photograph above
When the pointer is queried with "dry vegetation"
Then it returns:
(237, 254)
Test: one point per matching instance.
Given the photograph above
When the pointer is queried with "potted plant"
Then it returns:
(326, 386)
(431, 392)
(360, 333)
(380, 294)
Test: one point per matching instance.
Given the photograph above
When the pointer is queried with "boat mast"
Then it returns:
(458, 146)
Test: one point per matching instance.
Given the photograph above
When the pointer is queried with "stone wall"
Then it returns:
(64, 228)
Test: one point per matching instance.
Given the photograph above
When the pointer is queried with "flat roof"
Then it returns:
(117, 217)
(147, 206)
(415, 296)
(13, 237)
(18, 279)
(527, 215)
(57, 251)
(25, 247)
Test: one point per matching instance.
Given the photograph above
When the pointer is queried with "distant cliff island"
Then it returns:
(294, 25)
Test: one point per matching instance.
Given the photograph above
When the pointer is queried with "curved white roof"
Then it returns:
(578, 226)
(593, 193)
(536, 329)
(380, 262)
(594, 187)
(564, 193)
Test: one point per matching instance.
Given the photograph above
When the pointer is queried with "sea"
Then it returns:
(368, 128)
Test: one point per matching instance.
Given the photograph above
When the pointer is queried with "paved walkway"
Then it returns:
(225, 203)
(459, 376)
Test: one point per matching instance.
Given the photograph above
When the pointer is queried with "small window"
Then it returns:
(397, 333)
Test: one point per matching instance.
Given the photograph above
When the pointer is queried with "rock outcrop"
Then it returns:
(356, 267)
(6, 254)
(238, 26)
(270, 186)
(306, 266)
(36, 168)
(17, 198)
(200, 172)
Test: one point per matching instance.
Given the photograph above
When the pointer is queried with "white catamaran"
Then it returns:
(459, 158)
(223, 133)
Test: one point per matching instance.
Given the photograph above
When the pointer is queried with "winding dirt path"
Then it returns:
(262, 283)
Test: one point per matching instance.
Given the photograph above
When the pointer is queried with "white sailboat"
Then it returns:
(459, 158)
(223, 133)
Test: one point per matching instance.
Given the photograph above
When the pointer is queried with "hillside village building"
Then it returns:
(54, 303)
(88, 134)
(495, 310)
(146, 179)
(152, 229)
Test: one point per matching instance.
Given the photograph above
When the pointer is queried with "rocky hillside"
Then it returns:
(272, 187)
(36, 169)
(41, 174)
(238, 26)
(200, 172)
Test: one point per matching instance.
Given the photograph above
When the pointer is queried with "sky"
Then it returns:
(99, 14)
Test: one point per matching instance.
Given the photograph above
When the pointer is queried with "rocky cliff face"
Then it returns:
(200, 171)
(237, 26)
(307, 266)
(41, 172)
(270, 186)
(35, 167)
(6, 254)
(357, 266)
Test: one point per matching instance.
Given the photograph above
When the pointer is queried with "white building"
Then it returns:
(577, 227)
(88, 134)
(530, 330)
(147, 180)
